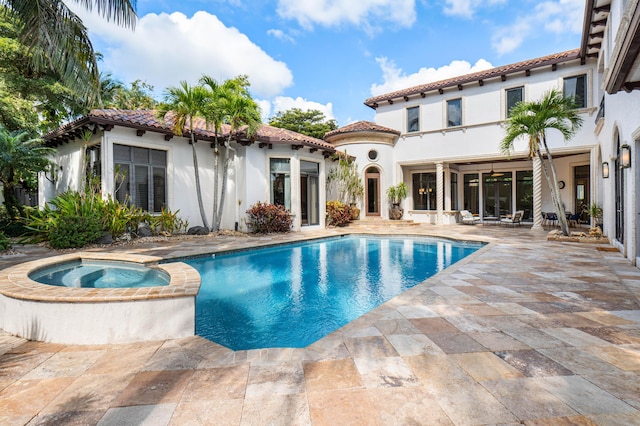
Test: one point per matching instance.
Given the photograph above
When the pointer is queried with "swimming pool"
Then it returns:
(292, 295)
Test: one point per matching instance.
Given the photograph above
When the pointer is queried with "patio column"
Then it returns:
(537, 195)
(440, 192)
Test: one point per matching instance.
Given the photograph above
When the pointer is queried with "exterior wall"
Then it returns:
(621, 118)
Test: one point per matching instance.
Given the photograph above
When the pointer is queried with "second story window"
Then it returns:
(576, 87)
(513, 96)
(413, 119)
(454, 112)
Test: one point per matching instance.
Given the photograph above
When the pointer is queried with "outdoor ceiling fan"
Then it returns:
(495, 174)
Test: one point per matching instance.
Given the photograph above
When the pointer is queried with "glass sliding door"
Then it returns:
(280, 182)
(524, 193)
(309, 193)
(472, 193)
(373, 191)
(497, 195)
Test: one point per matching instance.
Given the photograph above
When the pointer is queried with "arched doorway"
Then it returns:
(372, 195)
(619, 175)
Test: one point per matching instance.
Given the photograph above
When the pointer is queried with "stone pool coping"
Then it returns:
(15, 281)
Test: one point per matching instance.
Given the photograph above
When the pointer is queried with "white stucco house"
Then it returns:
(441, 139)
(275, 165)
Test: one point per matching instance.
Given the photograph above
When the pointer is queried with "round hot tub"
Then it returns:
(99, 298)
(85, 273)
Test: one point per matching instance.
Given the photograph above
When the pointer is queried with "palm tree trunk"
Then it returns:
(223, 191)
(562, 217)
(216, 161)
(196, 172)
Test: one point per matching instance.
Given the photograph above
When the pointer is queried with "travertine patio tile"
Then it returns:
(577, 359)
(413, 344)
(217, 383)
(155, 387)
(67, 418)
(172, 357)
(575, 337)
(343, 407)
(89, 392)
(615, 335)
(396, 326)
(533, 364)
(123, 360)
(527, 399)
(65, 364)
(498, 341)
(510, 308)
(282, 410)
(143, 415)
(481, 309)
(623, 358)
(281, 379)
(370, 347)
(385, 372)
(408, 406)
(484, 366)
(583, 396)
(625, 419)
(455, 343)
(530, 336)
(333, 374)
(28, 397)
(416, 311)
(434, 325)
(223, 412)
(605, 318)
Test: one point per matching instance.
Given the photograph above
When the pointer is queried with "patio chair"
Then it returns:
(468, 218)
(515, 219)
(549, 218)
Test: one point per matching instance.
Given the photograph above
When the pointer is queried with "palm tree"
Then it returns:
(532, 119)
(21, 158)
(58, 40)
(186, 103)
(241, 112)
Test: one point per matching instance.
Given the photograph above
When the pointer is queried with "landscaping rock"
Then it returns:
(144, 230)
(105, 239)
(198, 230)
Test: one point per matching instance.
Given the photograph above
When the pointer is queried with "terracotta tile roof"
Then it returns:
(361, 126)
(529, 64)
(147, 120)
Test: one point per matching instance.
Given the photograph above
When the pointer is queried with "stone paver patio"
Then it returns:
(525, 331)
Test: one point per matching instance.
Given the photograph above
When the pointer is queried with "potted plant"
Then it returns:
(396, 194)
(595, 211)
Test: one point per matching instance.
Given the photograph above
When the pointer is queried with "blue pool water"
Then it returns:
(100, 274)
(291, 296)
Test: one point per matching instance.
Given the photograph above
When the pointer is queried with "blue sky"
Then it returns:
(330, 54)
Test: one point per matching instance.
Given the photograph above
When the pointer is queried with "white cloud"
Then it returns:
(280, 35)
(284, 103)
(395, 79)
(467, 8)
(367, 14)
(558, 17)
(165, 49)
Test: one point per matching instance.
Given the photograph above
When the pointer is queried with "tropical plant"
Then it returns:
(265, 218)
(21, 159)
(595, 211)
(242, 115)
(338, 213)
(310, 122)
(397, 193)
(187, 103)
(346, 180)
(58, 40)
(5, 244)
(532, 120)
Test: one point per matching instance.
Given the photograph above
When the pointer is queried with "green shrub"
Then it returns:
(75, 231)
(338, 214)
(5, 244)
(265, 218)
(168, 222)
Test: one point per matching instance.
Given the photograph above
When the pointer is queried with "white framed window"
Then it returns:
(511, 97)
(280, 182)
(413, 119)
(140, 177)
(454, 112)
(576, 87)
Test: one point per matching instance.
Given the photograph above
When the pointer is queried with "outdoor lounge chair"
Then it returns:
(515, 219)
(468, 218)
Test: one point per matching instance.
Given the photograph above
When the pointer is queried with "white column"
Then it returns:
(440, 192)
(537, 195)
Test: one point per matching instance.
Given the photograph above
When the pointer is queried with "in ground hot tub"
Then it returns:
(91, 304)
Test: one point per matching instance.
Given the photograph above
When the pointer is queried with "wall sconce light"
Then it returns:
(605, 170)
(625, 156)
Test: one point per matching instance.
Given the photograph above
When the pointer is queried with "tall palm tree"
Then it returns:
(58, 40)
(186, 103)
(242, 114)
(21, 158)
(532, 119)
(216, 114)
